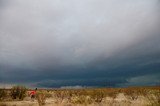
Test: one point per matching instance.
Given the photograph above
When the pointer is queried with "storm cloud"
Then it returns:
(97, 43)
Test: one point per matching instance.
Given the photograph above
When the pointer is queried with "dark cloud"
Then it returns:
(85, 43)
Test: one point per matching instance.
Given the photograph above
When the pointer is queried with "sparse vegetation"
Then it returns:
(41, 98)
(3, 94)
(148, 95)
(18, 92)
(153, 97)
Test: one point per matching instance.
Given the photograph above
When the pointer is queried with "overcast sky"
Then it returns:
(91, 43)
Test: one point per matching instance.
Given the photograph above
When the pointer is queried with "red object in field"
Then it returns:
(32, 92)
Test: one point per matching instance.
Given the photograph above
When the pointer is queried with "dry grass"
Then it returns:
(112, 96)
(83, 96)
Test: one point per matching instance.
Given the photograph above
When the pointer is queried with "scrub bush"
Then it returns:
(3, 94)
(18, 92)
(41, 98)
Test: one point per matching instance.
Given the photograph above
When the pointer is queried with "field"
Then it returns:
(132, 96)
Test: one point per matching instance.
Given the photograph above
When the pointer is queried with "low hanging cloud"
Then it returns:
(85, 43)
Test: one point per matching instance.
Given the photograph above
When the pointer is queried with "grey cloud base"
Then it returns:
(89, 43)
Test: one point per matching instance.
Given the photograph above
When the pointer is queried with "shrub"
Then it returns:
(41, 98)
(153, 97)
(98, 95)
(60, 95)
(48, 95)
(78, 100)
(18, 92)
(112, 93)
(3, 94)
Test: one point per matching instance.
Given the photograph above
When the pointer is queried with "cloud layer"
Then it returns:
(85, 43)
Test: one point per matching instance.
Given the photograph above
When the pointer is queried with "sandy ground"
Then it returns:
(120, 100)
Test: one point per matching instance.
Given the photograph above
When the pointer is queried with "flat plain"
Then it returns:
(131, 96)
